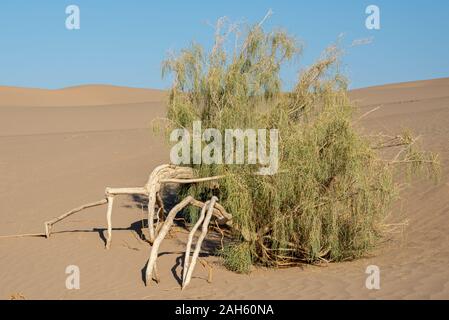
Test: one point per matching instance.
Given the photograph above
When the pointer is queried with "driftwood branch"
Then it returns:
(190, 239)
(204, 229)
(49, 224)
(164, 230)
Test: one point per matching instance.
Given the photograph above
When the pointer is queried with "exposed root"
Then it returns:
(205, 226)
(163, 232)
(190, 239)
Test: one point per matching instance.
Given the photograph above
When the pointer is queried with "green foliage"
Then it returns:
(237, 257)
(329, 200)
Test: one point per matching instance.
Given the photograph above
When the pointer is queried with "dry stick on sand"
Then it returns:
(49, 224)
(190, 239)
(196, 253)
(165, 227)
(188, 268)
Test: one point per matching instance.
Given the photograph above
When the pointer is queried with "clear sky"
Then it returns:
(123, 42)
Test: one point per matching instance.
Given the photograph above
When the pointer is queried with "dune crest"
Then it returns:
(86, 95)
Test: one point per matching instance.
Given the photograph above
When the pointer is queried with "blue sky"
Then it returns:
(123, 42)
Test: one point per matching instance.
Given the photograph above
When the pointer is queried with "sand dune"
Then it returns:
(89, 95)
(53, 159)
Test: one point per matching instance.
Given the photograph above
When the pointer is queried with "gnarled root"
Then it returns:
(152, 190)
(153, 187)
(190, 239)
(189, 267)
(203, 220)
(163, 232)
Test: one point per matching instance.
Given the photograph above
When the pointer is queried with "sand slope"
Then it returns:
(76, 96)
(60, 155)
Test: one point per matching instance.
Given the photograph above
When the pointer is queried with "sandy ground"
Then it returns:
(59, 149)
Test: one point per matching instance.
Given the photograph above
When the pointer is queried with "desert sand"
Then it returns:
(61, 148)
